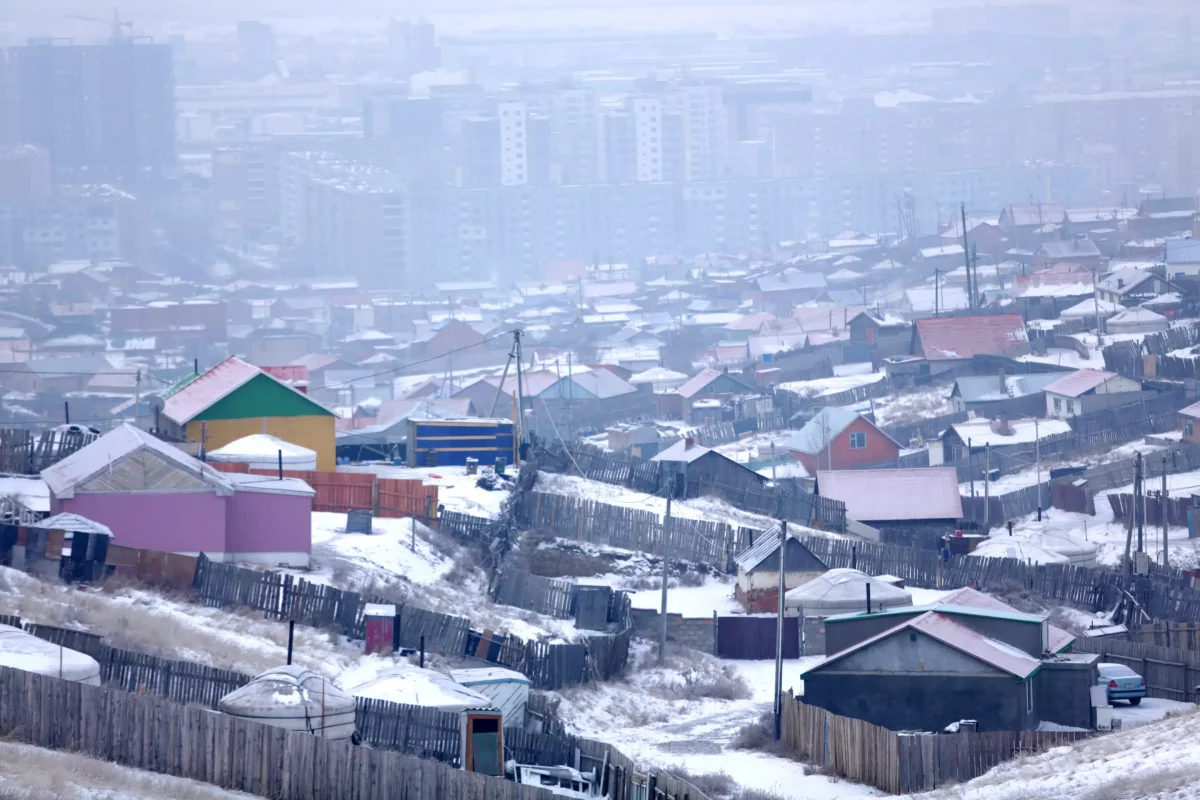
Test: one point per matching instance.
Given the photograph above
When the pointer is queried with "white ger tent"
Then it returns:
(20, 650)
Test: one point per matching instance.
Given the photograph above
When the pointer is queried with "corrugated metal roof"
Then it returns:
(186, 400)
(73, 523)
(941, 627)
(768, 543)
(949, 338)
(81, 465)
(967, 596)
(894, 494)
(603, 384)
(1079, 382)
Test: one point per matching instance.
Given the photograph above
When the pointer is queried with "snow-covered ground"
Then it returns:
(1067, 358)
(33, 773)
(899, 409)
(674, 718)
(392, 550)
(1109, 535)
(848, 379)
(1158, 761)
(757, 447)
(700, 508)
(692, 601)
(457, 491)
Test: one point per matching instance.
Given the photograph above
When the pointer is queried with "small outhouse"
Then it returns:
(507, 689)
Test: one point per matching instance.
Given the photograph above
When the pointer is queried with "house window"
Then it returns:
(1187, 426)
(858, 441)
(1058, 404)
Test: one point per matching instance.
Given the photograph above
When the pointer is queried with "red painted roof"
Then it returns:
(952, 338)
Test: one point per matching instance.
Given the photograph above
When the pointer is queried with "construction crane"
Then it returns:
(118, 25)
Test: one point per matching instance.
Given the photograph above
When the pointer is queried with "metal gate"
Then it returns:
(754, 637)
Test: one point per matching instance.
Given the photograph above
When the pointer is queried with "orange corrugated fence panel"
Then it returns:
(405, 498)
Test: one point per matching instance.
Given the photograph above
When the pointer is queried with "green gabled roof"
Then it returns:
(236, 390)
(262, 396)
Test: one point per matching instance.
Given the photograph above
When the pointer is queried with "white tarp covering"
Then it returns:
(261, 451)
(841, 591)
(421, 687)
(20, 650)
(291, 697)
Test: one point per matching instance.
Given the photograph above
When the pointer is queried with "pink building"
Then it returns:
(155, 497)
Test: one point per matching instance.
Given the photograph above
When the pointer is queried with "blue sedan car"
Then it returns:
(1122, 682)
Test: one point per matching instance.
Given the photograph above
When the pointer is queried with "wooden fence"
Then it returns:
(1172, 673)
(897, 763)
(554, 597)
(284, 597)
(1180, 635)
(339, 492)
(1164, 595)
(1010, 505)
(1176, 509)
(154, 734)
(631, 528)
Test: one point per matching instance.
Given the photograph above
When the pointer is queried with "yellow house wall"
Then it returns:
(314, 432)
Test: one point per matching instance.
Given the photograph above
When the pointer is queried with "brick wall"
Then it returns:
(696, 633)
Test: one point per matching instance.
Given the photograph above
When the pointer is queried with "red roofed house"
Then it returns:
(837, 438)
(947, 342)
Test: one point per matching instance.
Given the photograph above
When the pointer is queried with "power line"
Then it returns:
(391, 370)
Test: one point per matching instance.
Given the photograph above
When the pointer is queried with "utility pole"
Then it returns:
(987, 478)
(662, 633)
(937, 273)
(1096, 305)
(775, 482)
(503, 380)
(779, 632)
(520, 421)
(971, 465)
(1037, 455)
(1162, 511)
(137, 400)
(1138, 507)
(967, 258)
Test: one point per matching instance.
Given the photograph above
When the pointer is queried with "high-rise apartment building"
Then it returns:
(514, 144)
(257, 51)
(104, 107)
(648, 139)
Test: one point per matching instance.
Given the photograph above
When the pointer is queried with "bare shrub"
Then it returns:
(715, 785)
(553, 562)
(726, 686)
(757, 794)
(692, 579)
(759, 736)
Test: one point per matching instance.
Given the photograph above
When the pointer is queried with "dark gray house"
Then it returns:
(693, 468)
(996, 396)
(925, 673)
(970, 657)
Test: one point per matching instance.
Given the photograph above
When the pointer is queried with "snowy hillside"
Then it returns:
(1157, 761)
(31, 773)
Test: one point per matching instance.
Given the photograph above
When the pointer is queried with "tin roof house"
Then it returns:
(153, 496)
(968, 657)
(758, 570)
(235, 399)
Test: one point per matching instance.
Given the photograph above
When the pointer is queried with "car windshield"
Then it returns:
(1117, 671)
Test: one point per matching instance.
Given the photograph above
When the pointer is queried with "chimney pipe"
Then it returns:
(291, 638)
(868, 598)
(1003, 383)
(688, 442)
